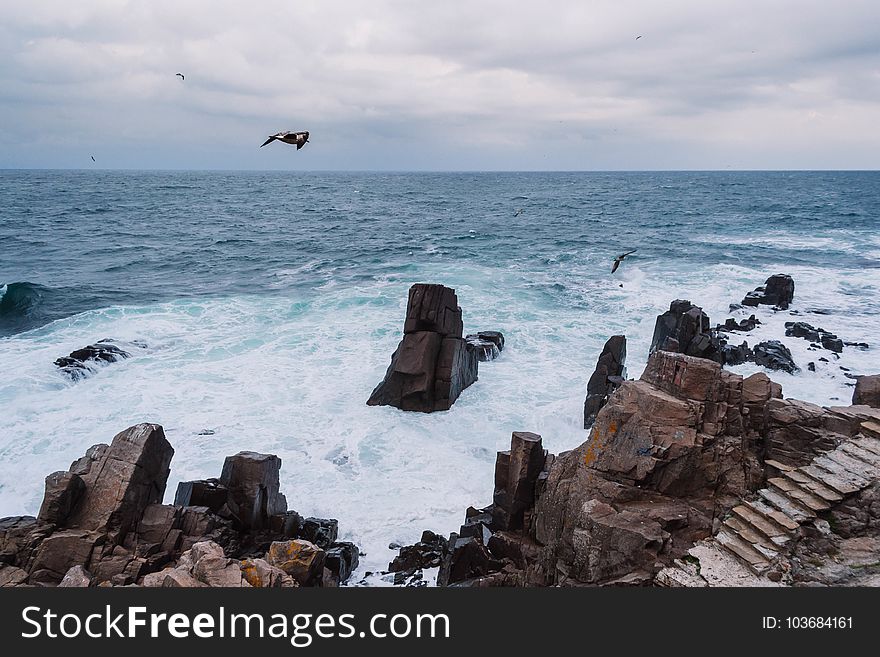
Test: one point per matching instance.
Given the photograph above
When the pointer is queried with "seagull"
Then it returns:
(180, 75)
(638, 37)
(619, 259)
(518, 212)
(93, 157)
(298, 139)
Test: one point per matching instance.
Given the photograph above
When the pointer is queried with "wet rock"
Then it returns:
(867, 391)
(427, 553)
(63, 492)
(609, 370)
(814, 335)
(744, 325)
(488, 345)
(320, 531)
(302, 560)
(737, 355)
(774, 355)
(341, 560)
(81, 362)
(252, 481)
(433, 364)
(778, 291)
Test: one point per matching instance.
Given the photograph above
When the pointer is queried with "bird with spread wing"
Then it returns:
(298, 139)
(620, 259)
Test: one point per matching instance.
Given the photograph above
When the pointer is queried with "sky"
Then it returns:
(451, 85)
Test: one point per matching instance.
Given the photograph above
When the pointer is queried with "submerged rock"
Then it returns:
(433, 364)
(82, 362)
(606, 377)
(774, 355)
(487, 344)
(778, 291)
(814, 334)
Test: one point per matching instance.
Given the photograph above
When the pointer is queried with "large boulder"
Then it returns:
(487, 344)
(606, 377)
(867, 391)
(82, 362)
(778, 291)
(774, 355)
(433, 364)
(251, 480)
(685, 329)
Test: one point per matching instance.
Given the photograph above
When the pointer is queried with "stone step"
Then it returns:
(868, 443)
(744, 551)
(813, 485)
(854, 449)
(799, 494)
(777, 516)
(842, 484)
(788, 506)
(859, 471)
(871, 428)
(675, 577)
(774, 533)
(747, 532)
(778, 466)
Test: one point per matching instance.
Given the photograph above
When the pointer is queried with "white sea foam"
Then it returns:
(291, 376)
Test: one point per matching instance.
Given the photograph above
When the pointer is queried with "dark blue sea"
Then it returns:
(270, 304)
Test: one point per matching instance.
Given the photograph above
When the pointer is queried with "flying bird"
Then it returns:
(180, 75)
(638, 37)
(298, 139)
(518, 212)
(619, 259)
(93, 157)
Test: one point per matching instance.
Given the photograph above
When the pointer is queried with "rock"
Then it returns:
(778, 291)
(340, 561)
(832, 343)
(20, 536)
(468, 558)
(488, 345)
(745, 325)
(516, 473)
(11, 576)
(302, 560)
(205, 492)
(81, 362)
(610, 364)
(433, 364)
(737, 355)
(774, 355)
(77, 577)
(63, 492)
(427, 553)
(684, 328)
(259, 573)
(122, 480)
(867, 391)
(320, 531)
(814, 334)
(252, 481)
(60, 552)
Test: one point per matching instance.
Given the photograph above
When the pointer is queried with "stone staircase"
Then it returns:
(756, 533)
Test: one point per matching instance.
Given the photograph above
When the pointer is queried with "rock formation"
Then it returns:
(684, 328)
(774, 355)
(487, 344)
(102, 523)
(690, 464)
(815, 335)
(82, 362)
(433, 364)
(778, 291)
(607, 376)
(867, 391)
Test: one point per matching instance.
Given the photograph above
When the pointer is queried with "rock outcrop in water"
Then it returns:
(433, 363)
(102, 523)
(607, 376)
(487, 344)
(774, 355)
(867, 391)
(692, 475)
(778, 291)
(82, 362)
(815, 335)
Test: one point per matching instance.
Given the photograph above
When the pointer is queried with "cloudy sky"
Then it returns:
(451, 85)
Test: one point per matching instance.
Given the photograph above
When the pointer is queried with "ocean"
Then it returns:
(270, 304)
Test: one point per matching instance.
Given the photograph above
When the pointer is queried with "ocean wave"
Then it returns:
(21, 299)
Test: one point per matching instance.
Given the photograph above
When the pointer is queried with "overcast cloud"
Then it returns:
(395, 84)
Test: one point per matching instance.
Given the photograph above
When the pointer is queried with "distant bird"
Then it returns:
(180, 75)
(619, 259)
(299, 139)
(638, 37)
(518, 212)
(93, 157)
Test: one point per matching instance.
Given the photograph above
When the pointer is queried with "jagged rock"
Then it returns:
(204, 492)
(427, 553)
(433, 364)
(302, 560)
(80, 362)
(76, 577)
(61, 551)
(11, 576)
(737, 355)
(610, 364)
(63, 492)
(814, 334)
(252, 481)
(487, 344)
(774, 355)
(340, 561)
(516, 473)
(467, 558)
(20, 536)
(745, 325)
(867, 391)
(259, 573)
(320, 531)
(777, 291)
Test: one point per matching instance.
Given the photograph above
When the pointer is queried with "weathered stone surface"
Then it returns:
(252, 482)
(302, 560)
(204, 492)
(606, 377)
(63, 492)
(516, 473)
(468, 558)
(20, 536)
(60, 552)
(488, 345)
(80, 362)
(774, 355)
(11, 576)
(867, 391)
(259, 573)
(341, 560)
(76, 577)
(433, 364)
(123, 480)
(778, 291)
(427, 553)
(320, 531)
